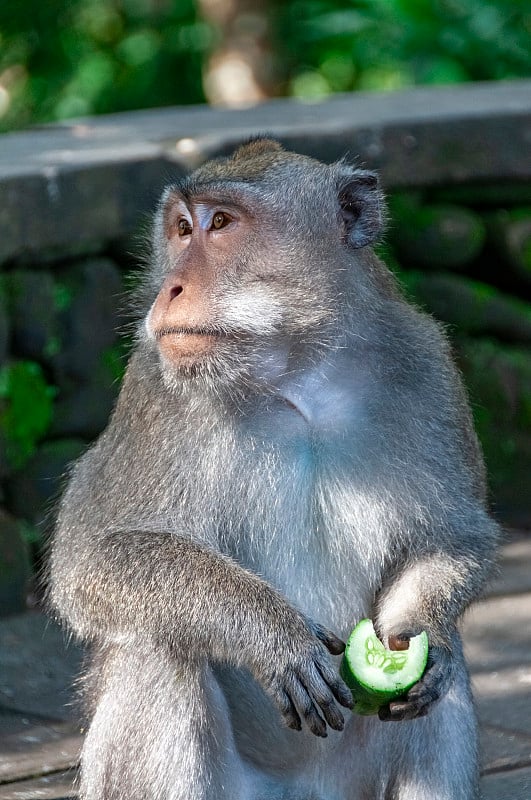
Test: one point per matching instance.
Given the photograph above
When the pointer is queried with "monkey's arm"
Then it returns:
(123, 584)
(114, 578)
(429, 593)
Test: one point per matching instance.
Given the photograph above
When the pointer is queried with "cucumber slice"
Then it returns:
(376, 675)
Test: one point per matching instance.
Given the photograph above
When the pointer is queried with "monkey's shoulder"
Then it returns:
(395, 371)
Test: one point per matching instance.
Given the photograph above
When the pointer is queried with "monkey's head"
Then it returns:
(253, 254)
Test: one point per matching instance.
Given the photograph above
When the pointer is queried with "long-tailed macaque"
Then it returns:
(291, 451)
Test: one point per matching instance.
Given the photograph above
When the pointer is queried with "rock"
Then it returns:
(509, 233)
(39, 664)
(434, 236)
(91, 292)
(15, 566)
(83, 408)
(61, 202)
(472, 306)
(71, 251)
(499, 382)
(32, 305)
(484, 195)
(33, 490)
(5, 467)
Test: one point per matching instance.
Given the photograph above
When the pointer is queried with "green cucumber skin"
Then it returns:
(368, 700)
(359, 690)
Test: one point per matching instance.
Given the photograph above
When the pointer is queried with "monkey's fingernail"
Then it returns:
(397, 643)
(345, 698)
(335, 645)
(338, 724)
(294, 725)
(340, 647)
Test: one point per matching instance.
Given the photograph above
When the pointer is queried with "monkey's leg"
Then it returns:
(433, 757)
(437, 754)
(160, 731)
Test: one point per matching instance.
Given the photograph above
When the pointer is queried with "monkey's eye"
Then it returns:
(183, 227)
(220, 220)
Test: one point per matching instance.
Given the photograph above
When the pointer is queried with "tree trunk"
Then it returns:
(240, 70)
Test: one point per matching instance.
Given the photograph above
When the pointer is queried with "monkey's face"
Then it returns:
(209, 299)
(250, 254)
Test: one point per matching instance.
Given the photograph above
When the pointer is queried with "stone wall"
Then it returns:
(75, 201)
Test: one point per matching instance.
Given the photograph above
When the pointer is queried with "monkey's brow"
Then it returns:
(232, 190)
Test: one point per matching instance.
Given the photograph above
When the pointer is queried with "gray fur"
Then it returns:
(319, 467)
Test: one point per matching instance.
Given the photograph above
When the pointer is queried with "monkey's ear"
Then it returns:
(361, 206)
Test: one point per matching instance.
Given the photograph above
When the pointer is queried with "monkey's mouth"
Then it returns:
(179, 342)
(182, 331)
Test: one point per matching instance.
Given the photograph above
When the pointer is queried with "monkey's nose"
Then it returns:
(175, 291)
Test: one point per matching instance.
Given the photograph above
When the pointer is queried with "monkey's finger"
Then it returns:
(332, 643)
(337, 686)
(386, 715)
(306, 707)
(288, 710)
(436, 680)
(418, 701)
(320, 693)
(331, 713)
(424, 694)
(399, 711)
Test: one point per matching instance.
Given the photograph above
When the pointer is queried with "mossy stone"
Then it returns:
(32, 491)
(15, 567)
(34, 323)
(83, 407)
(90, 296)
(498, 378)
(484, 195)
(26, 409)
(509, 233)
(434, 236)
(472, 306)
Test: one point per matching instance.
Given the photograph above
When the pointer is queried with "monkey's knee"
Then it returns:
(160, 731)
(441, 759)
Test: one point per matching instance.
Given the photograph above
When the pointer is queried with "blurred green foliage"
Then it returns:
(65, 58)
(389, 44)
(26, 410)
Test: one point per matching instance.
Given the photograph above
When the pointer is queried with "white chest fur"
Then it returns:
(307, 512)
(284, 489)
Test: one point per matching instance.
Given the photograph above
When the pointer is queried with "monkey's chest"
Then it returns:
(294, 518)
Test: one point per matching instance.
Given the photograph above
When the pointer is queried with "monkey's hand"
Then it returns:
(303, 681)
(433, 685)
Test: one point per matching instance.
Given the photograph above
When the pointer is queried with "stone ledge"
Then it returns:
(508, 785)
(59, 786)
(68, 208)
(93, 178)
(54, 747)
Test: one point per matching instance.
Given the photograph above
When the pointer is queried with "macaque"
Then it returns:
(291, 451)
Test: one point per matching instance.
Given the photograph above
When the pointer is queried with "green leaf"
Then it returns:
(26, 409)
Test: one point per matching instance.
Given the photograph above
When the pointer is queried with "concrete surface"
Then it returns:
(40, 735)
